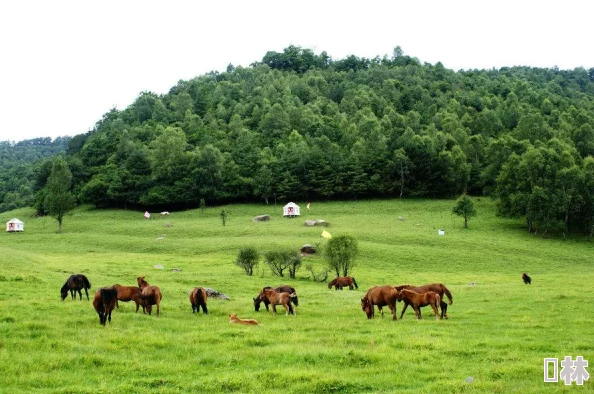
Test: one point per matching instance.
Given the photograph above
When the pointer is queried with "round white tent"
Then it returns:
(291, 210)
(15, 225)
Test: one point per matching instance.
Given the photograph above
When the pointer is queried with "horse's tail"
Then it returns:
(294, 299)
(86, 283)
(355, 283)
(201, 294)
(447, 293)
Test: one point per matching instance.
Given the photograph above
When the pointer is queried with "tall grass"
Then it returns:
(498, 333)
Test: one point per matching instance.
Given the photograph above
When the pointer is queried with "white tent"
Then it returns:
(291, 210)
(15, 225)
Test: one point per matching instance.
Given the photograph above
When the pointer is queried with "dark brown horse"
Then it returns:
(274, 298)
(438, 288)
(280, 289)
(198, 299)
(417, 301)
(73, 284)
(104, 302)
(129, 293)
(527, 280)
(151, 295)
(380, 296)
(343, 281)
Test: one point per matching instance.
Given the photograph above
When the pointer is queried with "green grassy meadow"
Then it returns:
(498, 332)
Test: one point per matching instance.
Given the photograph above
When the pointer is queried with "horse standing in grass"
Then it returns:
(73, 284)
(438, 288)
(417, 301)
(380, 296)
(274, 298)
(104, 302)
(151, 295)
(198, 299)
(527, 280)
(343, 281)
(280, 289)
(129, 293)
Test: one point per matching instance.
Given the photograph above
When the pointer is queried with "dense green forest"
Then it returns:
(20, 167)
(302, 126)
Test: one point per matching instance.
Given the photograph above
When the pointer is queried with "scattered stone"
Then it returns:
(469, 379)
(308, 249)
(168, 225)
(215, 294)
(176, 269)
(159, 267)
(319, 222)
(261, 218)
(472, 284)
(401, 218)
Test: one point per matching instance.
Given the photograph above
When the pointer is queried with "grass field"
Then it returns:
(498, 332)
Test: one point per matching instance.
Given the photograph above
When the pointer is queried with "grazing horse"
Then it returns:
(248, 322)
(417, 301)
(527, 280)
(342, 281)
(129, 293)
(438, 288)
(280, 289)
(151, 295)
(380, 296)
(274, 298)
(104, 302)
(198, 299)
(75, 283)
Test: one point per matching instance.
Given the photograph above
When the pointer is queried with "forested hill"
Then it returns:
(300, 125)
(20, 166)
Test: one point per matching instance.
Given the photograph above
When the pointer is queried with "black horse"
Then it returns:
(280, 289)
(75, 283)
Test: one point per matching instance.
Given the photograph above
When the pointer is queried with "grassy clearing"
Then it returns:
(499, 329)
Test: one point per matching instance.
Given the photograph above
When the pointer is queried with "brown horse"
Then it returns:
(198, 299)
(527, 280)
(438, 288)
(104, 302)
(380, 296)
(151, 295)
(129, 293)
(280, 289)
(417, 301)
(343, 281)
(274, 298)
(248, 322)
(73, 284)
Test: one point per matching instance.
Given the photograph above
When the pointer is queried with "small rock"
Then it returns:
(469, 379)
(159, 267)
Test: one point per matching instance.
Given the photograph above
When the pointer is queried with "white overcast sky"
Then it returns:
(63, 64)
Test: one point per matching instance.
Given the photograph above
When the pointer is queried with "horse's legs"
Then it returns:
(72, 294)
(444, 310)
(204, 309)
(403, 310)
(194, 308)
(266, 303)
(381, 310)
(274, 309)
(351, 287)
(393, 310)
(80, 294)
(87, 293)
(435, 311)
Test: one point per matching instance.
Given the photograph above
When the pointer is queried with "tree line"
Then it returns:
(299, 125)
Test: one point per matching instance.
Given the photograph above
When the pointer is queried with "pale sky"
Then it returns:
(63, 64)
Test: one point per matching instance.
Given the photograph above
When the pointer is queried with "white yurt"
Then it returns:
(291, 210)
(15, 225)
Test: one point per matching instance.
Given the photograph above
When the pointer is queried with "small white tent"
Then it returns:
(291, 210)
(15, 225)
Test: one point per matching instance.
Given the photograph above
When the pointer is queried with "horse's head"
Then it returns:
(257, 302)
(64, 292)
(140, 280)
(367, 307)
